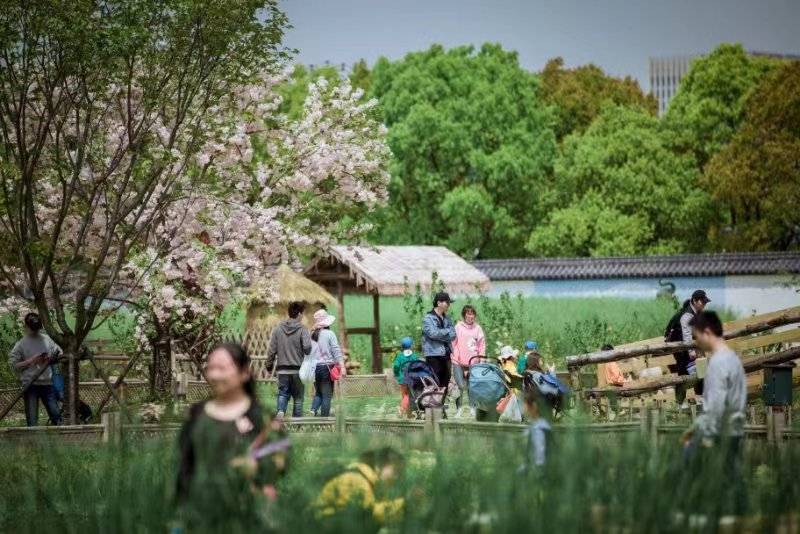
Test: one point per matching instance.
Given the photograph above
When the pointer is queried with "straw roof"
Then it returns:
(389, 270)
(291, 286)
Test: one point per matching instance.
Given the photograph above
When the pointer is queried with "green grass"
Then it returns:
(591, 483)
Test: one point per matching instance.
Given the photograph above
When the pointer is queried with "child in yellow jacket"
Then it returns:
(356, 487)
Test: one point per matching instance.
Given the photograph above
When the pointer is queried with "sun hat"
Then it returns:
(322, 319)
(531, 345)
(406, 343)
(507, 352)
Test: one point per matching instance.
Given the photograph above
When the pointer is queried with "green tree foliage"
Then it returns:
(461, 119)
(579, 94)
(757, 175)
(621, 190)
(361, 76)
(709, 105)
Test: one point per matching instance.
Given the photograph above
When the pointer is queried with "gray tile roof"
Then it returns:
(740, 263)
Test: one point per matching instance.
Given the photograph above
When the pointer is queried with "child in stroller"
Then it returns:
(423, 388)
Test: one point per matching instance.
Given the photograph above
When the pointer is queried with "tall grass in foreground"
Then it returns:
(465, 484)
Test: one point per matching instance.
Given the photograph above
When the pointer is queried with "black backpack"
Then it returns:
(673, 331)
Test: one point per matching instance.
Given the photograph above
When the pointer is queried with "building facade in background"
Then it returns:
(666, 74)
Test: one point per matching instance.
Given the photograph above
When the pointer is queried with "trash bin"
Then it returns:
(777, 387)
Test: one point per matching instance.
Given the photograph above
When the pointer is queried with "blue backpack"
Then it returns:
(487, 385)
(551, 388)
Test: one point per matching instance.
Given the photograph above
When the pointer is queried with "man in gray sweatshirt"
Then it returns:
(721, 425)
(30, 359)
(289, 344)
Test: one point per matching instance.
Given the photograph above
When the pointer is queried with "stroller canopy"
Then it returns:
(414, 371)
(487, 385)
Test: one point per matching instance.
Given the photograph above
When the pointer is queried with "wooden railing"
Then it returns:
(750, 337)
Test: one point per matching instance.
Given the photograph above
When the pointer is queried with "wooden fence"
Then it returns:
(758, 340)
(112, 430)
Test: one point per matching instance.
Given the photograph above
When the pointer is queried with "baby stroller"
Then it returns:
(423, 388)
(487, 385)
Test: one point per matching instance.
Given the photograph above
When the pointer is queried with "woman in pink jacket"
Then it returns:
(469, 342)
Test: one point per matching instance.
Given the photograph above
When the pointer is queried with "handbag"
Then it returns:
(335, 372)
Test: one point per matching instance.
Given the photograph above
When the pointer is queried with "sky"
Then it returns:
(617, 35)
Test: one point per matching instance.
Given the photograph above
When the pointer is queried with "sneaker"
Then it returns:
(279, 415)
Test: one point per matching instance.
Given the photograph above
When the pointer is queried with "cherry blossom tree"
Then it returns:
(279, 190)
(107, 112)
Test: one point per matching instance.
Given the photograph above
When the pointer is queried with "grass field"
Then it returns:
(609, 483)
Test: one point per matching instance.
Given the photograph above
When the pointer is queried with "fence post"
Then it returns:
(182, 387)
(112, 427)
(650, 421)
(776, 423)
(432, 418)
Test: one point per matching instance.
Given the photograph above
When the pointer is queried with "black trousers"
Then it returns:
(441, 368)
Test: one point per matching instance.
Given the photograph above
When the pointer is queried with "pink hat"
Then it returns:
(322, 319)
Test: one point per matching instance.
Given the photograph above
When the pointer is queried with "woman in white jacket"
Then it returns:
(328, 355)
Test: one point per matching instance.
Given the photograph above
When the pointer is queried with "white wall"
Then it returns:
(744, 295)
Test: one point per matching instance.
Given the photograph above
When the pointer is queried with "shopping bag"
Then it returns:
(502, 403)
(512, 412)
(308, 368)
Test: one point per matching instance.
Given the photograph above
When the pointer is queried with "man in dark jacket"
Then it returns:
(289, 344)
(438, 334)
(679, 329)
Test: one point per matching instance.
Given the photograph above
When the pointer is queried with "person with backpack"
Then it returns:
(362, 487)
(679, 329)
(330, 362)
(470, 342)
(32, 359)
(232, 451)
(289, 344)
(438, 333)
(401, 360)
(553, 390)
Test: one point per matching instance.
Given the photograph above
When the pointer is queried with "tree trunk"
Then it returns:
(161, 385)
(72, 394)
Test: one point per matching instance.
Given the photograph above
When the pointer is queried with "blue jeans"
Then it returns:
(323, 385)
(461, 382)
(47, 393)
(290, 386)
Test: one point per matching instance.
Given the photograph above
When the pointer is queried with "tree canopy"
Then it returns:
(466, 127)
(621, 190)
(757, 175)
(579, 94)
(709, 106)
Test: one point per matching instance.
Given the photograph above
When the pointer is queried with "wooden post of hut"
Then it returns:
(389, 271)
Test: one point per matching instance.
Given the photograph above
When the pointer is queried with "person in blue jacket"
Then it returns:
(438, 333)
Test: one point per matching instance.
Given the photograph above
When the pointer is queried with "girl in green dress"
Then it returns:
(232, 451)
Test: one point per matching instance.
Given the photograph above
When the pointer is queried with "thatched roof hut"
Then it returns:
(289, 286)
(389, 270)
